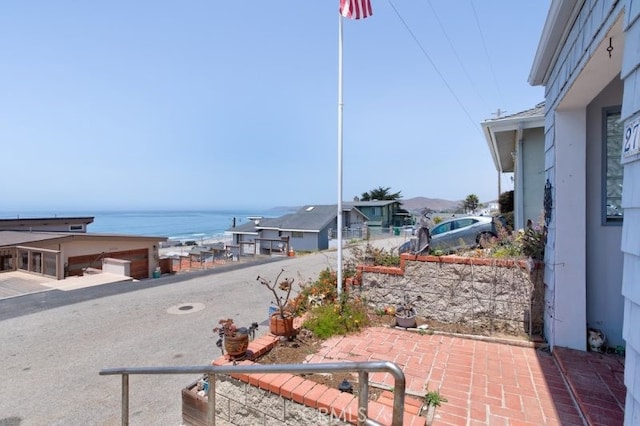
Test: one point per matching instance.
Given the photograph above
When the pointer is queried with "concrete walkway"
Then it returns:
(16, 283)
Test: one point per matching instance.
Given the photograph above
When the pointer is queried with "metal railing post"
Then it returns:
(125, 400)
(211, 401)
(398, 398)
(363, 397)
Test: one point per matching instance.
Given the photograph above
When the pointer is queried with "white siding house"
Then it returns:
(516, 143)
(588, 61)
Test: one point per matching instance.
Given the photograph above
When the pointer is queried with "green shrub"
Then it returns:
(371, 255)
(346, 315)
(532, 241)
(322, 291)
(508, 217)
(506, 202)
(508, 250)
(433, 398)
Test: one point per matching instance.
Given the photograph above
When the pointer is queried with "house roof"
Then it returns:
(583, 70)
(373, 203)
(532, 113)
(310, 218)
(503, 133)
(26, 223)
(16, 238)
(245, 228)
(561, 14)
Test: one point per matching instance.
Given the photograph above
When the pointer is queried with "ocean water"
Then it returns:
(176, 225)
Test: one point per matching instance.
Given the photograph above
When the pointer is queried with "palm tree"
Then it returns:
(471, 203)
(380, 193)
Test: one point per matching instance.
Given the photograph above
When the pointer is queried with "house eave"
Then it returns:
(555, 31)
(491, 143)
(507, 128)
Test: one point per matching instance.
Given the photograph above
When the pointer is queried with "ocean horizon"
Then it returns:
(181, 225)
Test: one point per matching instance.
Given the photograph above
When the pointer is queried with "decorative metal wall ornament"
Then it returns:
(610, 48)
(547, 202)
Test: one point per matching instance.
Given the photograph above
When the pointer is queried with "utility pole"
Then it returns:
(499, 113)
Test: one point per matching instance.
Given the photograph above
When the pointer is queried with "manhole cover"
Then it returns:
(185, 308)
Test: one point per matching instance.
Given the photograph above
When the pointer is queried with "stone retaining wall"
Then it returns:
(486, 296)
(239, 403)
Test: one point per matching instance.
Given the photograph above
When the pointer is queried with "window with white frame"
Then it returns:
(612, 168)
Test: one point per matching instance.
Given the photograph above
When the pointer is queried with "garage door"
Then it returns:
(139, 262)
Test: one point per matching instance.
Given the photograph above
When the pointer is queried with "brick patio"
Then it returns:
(484, 382)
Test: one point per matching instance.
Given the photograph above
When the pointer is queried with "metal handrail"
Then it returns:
(363, 369)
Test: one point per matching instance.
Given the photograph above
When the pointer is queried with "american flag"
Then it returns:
(355, 9)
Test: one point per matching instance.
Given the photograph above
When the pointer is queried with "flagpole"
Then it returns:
(340, 107)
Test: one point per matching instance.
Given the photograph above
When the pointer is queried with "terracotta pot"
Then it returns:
(236, 345)
(279, 326)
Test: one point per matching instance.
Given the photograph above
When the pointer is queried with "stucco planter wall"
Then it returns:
(486, 295)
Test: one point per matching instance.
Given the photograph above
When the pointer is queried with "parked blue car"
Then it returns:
(460, 233)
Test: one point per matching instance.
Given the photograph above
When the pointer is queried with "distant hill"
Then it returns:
(436, 204)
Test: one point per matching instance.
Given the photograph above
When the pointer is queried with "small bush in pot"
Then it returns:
(280, 322)
(406, 313)
(235, 339)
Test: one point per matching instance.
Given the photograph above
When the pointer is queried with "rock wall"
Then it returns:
(485, 296)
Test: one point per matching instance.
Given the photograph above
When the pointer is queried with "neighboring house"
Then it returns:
(381, 214)
(308, 229)
(60, 254)
(490, 209)
(516, 143)
(52, 224)
(588, 60)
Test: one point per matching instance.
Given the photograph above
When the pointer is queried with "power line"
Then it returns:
(486, 52)
(453, 49)
(475, 125)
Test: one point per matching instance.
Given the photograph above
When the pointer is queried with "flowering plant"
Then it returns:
(226, 328)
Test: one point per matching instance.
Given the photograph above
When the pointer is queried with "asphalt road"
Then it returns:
(52, 346)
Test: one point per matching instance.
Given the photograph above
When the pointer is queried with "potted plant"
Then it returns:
(235, 340)
(406, 313)
(280, 321)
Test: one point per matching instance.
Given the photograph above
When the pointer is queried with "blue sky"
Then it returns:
(209, 104)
